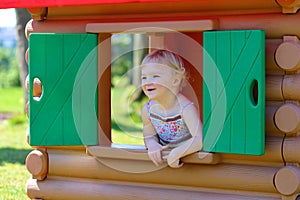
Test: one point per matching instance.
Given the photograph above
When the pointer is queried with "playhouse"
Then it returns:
(243, 58)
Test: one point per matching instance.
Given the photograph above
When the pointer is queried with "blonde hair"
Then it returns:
(170, 59)
(167, 58)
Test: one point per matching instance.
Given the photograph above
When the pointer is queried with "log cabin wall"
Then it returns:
(92, 172)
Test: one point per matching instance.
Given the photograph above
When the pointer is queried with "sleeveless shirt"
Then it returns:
(172, 131)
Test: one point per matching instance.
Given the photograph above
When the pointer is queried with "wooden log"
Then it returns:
(271, 157)
(274, 25)
(291, 149)
(76, 26)
(290, 197)
(270, 127)
(288, 54)
(287, 180)
(271, 65)
(38, 13)
(26, 56)
(290, 6)
(240, 177)
(274, 88)
(78, 189)
(28, 29)
(287, 118)
(164, 9)
(280, 88)
(291, 87)
(37, 164)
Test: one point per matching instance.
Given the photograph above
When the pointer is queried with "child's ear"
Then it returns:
(176, 81)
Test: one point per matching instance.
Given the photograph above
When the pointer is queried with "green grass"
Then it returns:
(11, 100)
(14, 149)
(13, 146)
(125, 130)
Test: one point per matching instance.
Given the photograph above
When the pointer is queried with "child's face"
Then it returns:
(157, 80)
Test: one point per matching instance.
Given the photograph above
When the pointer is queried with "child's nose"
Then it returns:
(148, 81)
(145, 84)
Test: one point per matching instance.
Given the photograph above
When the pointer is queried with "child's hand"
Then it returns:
(172, 160)
(175, 164)
(154, 153)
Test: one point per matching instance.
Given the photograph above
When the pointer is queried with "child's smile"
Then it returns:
(156, 80)
(150, 91)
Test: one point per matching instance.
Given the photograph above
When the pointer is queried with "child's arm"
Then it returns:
(194, 144)
(151, 140)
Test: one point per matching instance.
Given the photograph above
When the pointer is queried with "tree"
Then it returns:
(22, 17)
(139, 41)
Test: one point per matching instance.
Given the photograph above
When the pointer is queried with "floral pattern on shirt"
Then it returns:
(171, 130)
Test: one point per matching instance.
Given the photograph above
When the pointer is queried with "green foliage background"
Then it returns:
(9, 71)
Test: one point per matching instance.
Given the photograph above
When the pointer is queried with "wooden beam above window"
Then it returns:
(153, 27)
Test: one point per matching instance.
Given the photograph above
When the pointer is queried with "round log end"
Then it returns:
(26, 55)
(37, 163)
(286, 2)
(37, 87)
(287, 118)
(28, 29)
(287, 180)
(38, 13)
(35, 10)
(287, 56)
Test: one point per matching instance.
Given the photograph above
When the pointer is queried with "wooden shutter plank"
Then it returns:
(239, 58)
(256, 112)
(61, 56)
(211, 95)
(238, 142)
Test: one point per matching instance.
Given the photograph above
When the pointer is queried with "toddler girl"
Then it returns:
(170, 120)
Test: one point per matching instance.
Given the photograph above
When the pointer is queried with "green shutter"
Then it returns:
(66, 114)
(234, 64)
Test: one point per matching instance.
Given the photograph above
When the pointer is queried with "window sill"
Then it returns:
(139, 153)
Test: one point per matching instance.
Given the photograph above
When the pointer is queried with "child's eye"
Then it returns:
(144, 78)
(156, 76)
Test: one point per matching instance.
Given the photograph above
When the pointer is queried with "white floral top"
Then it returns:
(172, 131)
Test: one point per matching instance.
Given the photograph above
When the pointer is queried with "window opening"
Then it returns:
(127, 98)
